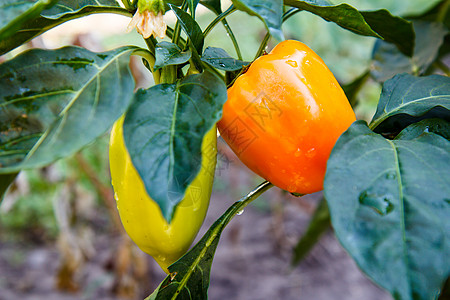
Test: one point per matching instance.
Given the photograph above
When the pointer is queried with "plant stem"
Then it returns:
(221, 18)
(264, 42)
(233, 38)
(443, 11)
(128, 5)
(213, 70)
(177, 29)
(218, 19)
(239, 205)
(443, 67)
(150, 58)
(263, 46)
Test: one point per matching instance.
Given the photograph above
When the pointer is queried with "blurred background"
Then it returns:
(60, 235)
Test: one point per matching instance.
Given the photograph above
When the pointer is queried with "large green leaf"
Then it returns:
(54, 102)
(14, 13)
(167, 54)
(220, 59)
(164, 129)
(406, 99)
(190, 27)
(270, 12)
(388, 61)
(389, 206)
(380, 23)
(63, 12)
(189, 276)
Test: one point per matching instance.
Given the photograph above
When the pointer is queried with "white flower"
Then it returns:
(148, 23)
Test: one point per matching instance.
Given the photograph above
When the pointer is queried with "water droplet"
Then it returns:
(240, 212)
(381, 203)
(116, 197)
(161, 258)
(391, 175)
(311, 153)
(292, 63)
(222, 65)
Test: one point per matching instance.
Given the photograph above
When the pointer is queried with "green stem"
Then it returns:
(290, 13)
(168, 74)
(170, 33)
(218, 19)
(128, 5)
(233, 38)
(441, 66)
(177, 29)
(150, 58)
(264, 42)
(213, 70)
(263, 46)
(221, 18)
(443, 11)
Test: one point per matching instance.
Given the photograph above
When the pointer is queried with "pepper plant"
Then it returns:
(387, 182)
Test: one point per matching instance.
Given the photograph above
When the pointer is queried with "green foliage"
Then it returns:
(388, 61)
(190, 275)
(406, 99)
(30, 28)
(168, 54)
(44, 119)
(379, 23)
(390, 217)
(387, 194)
(220, 59)
(174, 117)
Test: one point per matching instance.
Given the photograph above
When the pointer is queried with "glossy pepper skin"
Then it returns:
(142, 217)
(284, 115)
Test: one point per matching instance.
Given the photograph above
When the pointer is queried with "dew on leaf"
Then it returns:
(380, 203)
(391, 175)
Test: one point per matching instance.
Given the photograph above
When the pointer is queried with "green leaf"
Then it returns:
(318, 225)
(5, 182)
(220, 59)
(380, 23)
(437, 126)
(213, 5)
(164, 130)
(64, 7)
(270, 12)
(56, 16)
(388, 61)
(389, 205)
(406, 99)
(189, 276)
(169, 54)
(190, 27)
(54, 102)
(14, 13)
